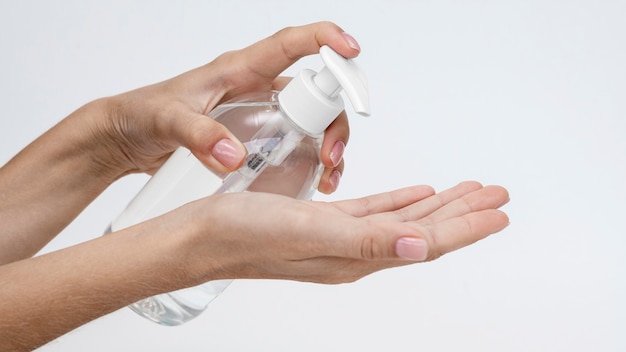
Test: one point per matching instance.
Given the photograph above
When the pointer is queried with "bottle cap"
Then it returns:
(313, 101)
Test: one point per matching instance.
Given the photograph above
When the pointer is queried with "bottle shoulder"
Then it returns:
(254, 99)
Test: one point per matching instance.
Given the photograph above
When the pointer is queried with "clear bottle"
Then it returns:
(282, 132)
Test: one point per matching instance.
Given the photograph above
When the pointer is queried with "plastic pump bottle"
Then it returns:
(282, 132)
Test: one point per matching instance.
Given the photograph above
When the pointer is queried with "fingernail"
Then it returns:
(228, 153)
(334, 179)
(337, 152)
(351, 41)
(412, 248)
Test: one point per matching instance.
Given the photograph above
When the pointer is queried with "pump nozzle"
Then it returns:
(343, 73)
(312, 100)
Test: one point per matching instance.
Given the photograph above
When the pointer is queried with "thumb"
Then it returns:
(209, 141)
(279, 51)
(386, 241)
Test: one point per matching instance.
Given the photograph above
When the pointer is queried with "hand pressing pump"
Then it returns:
(282, 132)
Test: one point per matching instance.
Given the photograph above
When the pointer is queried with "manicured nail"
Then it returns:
(334, 179)
(351, 41)
(412, 248)
(228, 153)
(337, 153)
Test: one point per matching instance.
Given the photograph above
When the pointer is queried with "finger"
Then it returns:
(335, 140)
(361, 239)
(384, 202)
(489, 197)
(280, 82)
(455, 233)
(279, 51)
(212, 143)
(418, 210)
(330, 179)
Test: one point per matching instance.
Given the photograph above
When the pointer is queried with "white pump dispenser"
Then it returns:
(282, 132)
(312, 101)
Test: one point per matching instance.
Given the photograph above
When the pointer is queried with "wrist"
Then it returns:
(200, 242)
(54, 177)
(103, 138)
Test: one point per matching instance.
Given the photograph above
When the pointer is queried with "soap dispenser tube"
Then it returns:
(281, 159)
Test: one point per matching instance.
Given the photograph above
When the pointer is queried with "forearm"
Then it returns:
(49, 295)
(45, 186)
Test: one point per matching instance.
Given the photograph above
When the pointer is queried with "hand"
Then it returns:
(240, 235)
(137, 131)
(147, 124)
(256, 235)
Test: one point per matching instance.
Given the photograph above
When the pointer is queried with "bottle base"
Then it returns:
(178, 307)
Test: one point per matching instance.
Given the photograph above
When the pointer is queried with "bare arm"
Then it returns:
(51, 181)
(208, 239)
(47, 296)
(45, 186)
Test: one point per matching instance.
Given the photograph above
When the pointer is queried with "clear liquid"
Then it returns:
(183, 179)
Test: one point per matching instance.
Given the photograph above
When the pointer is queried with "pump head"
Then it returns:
(312, 100)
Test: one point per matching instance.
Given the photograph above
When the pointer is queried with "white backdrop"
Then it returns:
(529, 95)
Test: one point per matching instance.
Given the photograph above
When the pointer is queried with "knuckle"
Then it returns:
(327, 25)
(366, 205)
(432, 237)
(371, 249)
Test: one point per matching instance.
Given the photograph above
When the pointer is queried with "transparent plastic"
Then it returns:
(281, 159)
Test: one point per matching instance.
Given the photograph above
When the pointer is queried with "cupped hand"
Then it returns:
(145, 125)
(257, 235)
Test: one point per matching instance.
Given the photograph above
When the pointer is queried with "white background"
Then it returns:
(529, 95)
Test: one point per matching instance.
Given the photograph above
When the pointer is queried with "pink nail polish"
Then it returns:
(336, 154)
(351, 41)
(228, 153)
(412, 248)
(334, 179)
